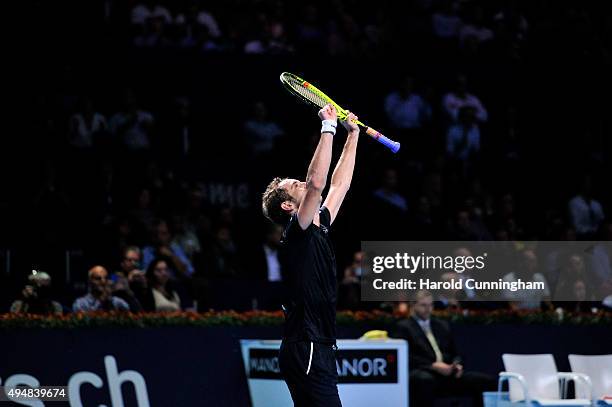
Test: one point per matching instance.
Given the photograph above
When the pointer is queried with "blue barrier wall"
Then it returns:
(189, 366)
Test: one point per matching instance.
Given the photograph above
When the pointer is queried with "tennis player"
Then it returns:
(307, 355)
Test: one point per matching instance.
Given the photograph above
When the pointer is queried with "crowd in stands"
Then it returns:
(128, 189)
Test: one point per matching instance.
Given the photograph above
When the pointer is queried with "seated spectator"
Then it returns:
(185, 236)
(100, 296)
(196, 14)
(527, 270)
(445, 22)
(466, 227)
(133, 125)
(36, 296)
(85, 125)
(406, 109)
(264, 263)
(261, 132)
(463, 138)
(450, 299)
(585, 211)
(576, 287)
(222, 257)
(127, 274)
(310, 34)
(435, 365)
(130, 260)
(601, 262)
(474, 28)
(388, 193)
(163, 246)
(142, 12)
(349, 292)
(165, 298)
(460, 97)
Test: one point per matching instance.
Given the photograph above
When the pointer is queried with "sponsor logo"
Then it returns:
(353, 365)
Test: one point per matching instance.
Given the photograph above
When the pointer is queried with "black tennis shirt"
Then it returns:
(309, 266)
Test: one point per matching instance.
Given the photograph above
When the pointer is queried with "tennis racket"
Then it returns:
(308, 93)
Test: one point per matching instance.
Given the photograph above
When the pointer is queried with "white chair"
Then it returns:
(535, 380)
(599, 369)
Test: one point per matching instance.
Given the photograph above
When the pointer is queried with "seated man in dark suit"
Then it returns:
(435, 366)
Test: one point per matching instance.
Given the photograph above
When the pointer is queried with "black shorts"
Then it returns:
(309, 369)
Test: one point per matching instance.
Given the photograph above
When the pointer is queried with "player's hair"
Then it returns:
(272, 200)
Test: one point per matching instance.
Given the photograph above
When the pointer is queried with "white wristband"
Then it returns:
(329, 126)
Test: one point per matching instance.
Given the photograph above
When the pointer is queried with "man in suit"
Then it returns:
(435, 366)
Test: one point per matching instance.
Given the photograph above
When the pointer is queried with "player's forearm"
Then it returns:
(319, 165)
(343, 173)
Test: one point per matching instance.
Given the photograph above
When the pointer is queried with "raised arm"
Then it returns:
(316, 178)
(343, 173)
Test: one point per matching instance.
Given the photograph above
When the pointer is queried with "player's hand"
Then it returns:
(349, 124)
(328, 112)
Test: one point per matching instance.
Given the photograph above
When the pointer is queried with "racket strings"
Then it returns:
(296, 86)
(310, 95)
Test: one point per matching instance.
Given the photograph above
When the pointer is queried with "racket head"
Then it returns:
(309, 93)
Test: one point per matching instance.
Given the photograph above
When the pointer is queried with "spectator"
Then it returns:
(196, 14)
(460, 97)
(575, 288)
(36, 296)
(350, 290)
(601, 262)
(99, 297)
(446, 24)
(261, 132)
(85, 125)
(127, 274)
(388, 192)
(474, 29)
(163, 246)
(143, 12)
(130, 260)
(309, 31)
(450, 299)
(223, 259)
(527, 271)
(144, 213)
(585, 211)
(406, 109)
(463, 138)
(465, 227)
(264, 263)
(185, 236)
(435, 365)
(165, 298)
(133, 126)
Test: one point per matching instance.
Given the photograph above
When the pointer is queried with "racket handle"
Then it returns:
(390, 144)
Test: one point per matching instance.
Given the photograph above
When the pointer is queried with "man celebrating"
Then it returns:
(307, 359)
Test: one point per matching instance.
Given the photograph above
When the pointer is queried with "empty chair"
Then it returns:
(599, 369)
(535, 379)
